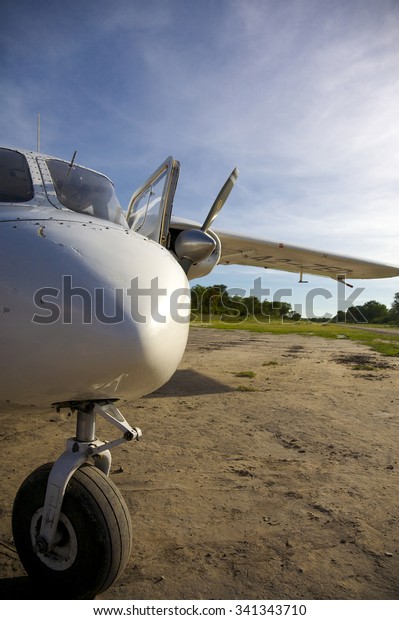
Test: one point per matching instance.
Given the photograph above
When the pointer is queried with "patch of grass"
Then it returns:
(270, 363)
(389, 345)
(246, 373)
(246, 388)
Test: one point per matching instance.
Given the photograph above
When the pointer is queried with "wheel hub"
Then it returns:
(65, 548)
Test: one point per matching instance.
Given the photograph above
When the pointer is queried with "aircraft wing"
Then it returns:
(241, 250)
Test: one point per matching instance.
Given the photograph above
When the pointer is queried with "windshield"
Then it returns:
(85, 191)
(15, 180)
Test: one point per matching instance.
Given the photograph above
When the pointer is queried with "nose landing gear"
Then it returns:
(71, 525)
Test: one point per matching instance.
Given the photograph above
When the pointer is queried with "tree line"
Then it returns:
(216, 300)
(372, 312)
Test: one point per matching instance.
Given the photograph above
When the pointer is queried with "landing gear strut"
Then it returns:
(71, 525)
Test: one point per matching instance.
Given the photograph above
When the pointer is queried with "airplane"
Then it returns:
(95, 312)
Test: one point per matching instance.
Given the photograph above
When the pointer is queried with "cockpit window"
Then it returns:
(15, 180)
(85, 191)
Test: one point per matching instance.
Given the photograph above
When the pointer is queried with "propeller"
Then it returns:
(220, 200)
(195, 244)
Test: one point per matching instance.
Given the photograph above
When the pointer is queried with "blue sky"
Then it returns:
(301, 95)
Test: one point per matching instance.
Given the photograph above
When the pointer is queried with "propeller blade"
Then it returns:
(220, 200)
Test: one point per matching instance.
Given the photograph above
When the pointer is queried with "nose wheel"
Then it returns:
(71, 525)
(93, 536)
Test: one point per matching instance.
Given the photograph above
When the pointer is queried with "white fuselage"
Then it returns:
(90, 310)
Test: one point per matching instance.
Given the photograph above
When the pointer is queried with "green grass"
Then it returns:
(246, 373)
(387, 344)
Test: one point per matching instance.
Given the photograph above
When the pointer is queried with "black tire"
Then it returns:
(93, 537)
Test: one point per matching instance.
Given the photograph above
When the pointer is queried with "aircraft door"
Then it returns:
(150, 206)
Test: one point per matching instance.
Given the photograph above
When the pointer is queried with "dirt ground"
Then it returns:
(281, 485)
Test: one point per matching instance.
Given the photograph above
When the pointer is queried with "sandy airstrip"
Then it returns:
(280, 486)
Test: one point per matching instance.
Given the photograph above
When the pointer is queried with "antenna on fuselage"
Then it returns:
(72, 162)
(38, 133)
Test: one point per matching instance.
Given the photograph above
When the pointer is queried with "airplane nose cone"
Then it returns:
(89, 312)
